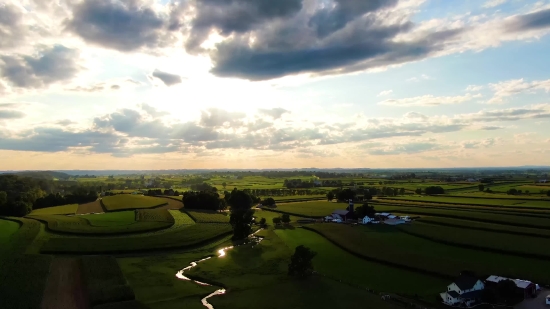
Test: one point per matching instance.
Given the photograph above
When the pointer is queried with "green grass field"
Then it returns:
(128, 201)
(104, 224)
(105, 280)
(509, 244)
(357, 271)
(208, 217)
(7, 228)
(185, 237)
(480, 216)
(467, 224)
(23, 280)
(57, 210)
(110, 219)
(311, 209)
(476, 201)
(403, 250)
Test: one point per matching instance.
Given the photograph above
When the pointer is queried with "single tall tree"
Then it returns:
(241, 215)
(301, 265)
(481, 187)
(330, 196)
(285, 218)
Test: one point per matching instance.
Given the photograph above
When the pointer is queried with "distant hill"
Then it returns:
(49, 175)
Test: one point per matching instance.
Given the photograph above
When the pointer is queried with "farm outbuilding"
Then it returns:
(394, 221)
(341, 214)
(527, 288)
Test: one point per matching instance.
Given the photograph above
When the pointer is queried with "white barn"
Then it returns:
(464, 290)
(367, 220)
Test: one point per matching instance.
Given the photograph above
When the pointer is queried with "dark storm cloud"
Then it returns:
(274, 113)
(532, 21)
(167, 78)
(357, 49)
(124, 25)
(329, 20)
(236, 16)
(51, 65)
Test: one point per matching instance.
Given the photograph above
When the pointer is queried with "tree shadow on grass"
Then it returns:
(246, 256)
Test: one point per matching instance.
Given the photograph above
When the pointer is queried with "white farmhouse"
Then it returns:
(367, 220)
(464, 290)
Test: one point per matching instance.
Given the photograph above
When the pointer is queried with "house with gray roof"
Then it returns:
(465, 290)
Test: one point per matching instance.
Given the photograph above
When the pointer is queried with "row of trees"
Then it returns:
(80, 196)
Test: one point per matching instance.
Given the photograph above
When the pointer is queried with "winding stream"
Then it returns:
(253, 240)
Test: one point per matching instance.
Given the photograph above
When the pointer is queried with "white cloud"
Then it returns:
(385, 93)
(493, 3)
(474, 88)
(509, 88)
(488, 142)
(419, 78)
(430, 100)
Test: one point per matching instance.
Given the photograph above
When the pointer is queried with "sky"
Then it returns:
(149, 84)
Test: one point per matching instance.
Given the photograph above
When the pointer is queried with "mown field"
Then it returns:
(401, 250)
(57, 210)
(128, 201)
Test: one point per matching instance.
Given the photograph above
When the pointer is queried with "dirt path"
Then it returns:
(65, 287)
(89, 208)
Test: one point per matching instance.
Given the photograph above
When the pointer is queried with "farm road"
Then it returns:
(65, 287)
(534, 303)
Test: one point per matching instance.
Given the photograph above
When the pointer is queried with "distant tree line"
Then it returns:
(80, 196)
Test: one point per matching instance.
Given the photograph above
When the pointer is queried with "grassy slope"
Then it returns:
(337, 263)
(111, 219)
(101, 224)
(7, 228)
(410, 251)
(512, 244)
(128, 201)
(185, 237)
(253, 275)
(317, 292)
(22, 277)
(57, 210)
